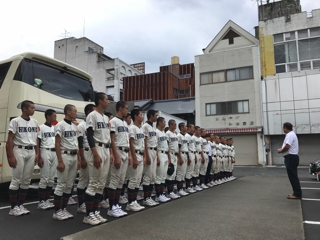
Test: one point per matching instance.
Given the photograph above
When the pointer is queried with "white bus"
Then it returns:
(47, 82)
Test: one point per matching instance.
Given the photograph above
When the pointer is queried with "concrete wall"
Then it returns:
(229, 91)
(292, 97)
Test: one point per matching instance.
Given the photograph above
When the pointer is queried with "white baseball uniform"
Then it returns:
(149, 171)
(163, 151)
(84, 173)
(204, 145)
(69, 134)
(173, 149)
(225, 157)
(191, 154)
(48, 153)
(117, 176)
(136, 174)
(214, 157)
(182, 169)
(198, 147)
(101, 135)
(219, 147)
(24, 141)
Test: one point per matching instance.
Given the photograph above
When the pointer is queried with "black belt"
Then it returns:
(153, 149)
(26, 147)
(104, 145)
(193, 152)
(199, 152)
(166, 152)
(215, 155)
(139, 152)
(124, 149)
(86, 149)
(72, 152)
(184, 153)
(51, 149)
(175, 153)
(206, 152)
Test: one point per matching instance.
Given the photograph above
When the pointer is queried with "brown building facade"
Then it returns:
(173, 81)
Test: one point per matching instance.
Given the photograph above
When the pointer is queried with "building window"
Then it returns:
(4, 68)
(296, 51)
(224, 108)
(240, 74)
(212, 77)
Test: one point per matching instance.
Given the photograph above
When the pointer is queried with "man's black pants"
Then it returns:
(292, 162)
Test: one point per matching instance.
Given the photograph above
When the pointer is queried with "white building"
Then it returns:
(107, 72)
(290, 63)
(227, 90)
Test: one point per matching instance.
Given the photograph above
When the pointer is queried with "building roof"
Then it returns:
(142, 103)
(174, 106)
(230, 25)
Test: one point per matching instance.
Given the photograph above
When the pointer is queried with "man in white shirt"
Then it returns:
(290, 150)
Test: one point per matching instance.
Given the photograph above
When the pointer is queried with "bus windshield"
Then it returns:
(55, 81)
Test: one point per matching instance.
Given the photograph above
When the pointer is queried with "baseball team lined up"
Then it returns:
(115, 156)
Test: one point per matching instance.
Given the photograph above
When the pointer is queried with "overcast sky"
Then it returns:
(148, 31)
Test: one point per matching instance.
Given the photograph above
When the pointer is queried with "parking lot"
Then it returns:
(252, 207)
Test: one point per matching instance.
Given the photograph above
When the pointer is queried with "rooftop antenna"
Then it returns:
(65, 34)
(84, 26)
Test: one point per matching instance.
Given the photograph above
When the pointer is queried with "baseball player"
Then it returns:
(136, 168)
(105, 201)
(232, 161)
(207, 178)
(219, 160)
(198, 158)
(163, 161)
(22, 156)
(68, 145)
(221, 149)
(203, 165)
(123, 199)
(84, 170)
(47, 159)
(173, 150)
(98, 135)
(150, 146)
(182, 159)
(225, 159)
(214, 160)
(120, 149)
(191, 157)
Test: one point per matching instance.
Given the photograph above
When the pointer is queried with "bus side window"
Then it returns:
(4, 68)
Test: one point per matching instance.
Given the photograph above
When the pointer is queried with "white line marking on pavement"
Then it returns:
(29, 203)
(309, 182)
(306, 188)
(312, 222)
(310, 199)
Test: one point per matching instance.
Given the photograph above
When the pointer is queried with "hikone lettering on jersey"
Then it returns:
(184, 141)
(204, 143)
(152, 134)
(48, 134)
(102, 125)
(163, 138)
(28, 129)
(68, 134)
(122, 129)
(174, 139)
(191, 141)
(140, 135)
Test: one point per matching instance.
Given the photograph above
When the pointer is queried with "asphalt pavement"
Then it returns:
(252, 207)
